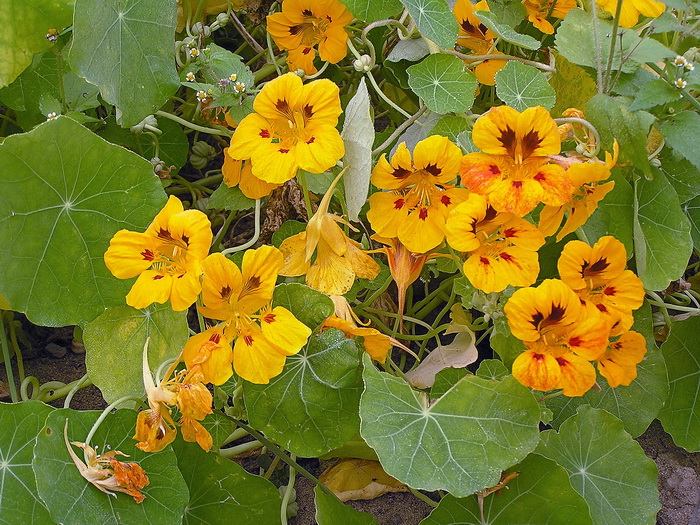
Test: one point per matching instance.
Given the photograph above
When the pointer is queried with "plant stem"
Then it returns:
(287, 494)
(400, 129)
(423, 497)
(104, 415)
(235, 435)
(188, 124)
(256, 234)
(240, 449)
(80, 383)
(481, 58)
(616, 24)
(8, 362)
(301, 175)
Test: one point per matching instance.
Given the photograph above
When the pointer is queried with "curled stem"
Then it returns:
(256, 234)
(481, 58)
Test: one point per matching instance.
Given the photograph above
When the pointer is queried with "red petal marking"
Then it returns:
(484, 261)
(148, 255)
(445, 200)
(540, 177)
(311, 140)
(517, 184)
(269, 318)
(264, 133)
(398, 204)
(510, 232)
(610, 290)
(562, 361)
(538, 357)
(248, 339)
(575, 341)
(215, 338)
(158, 277)
(506, 257)
(423, 214)
(494, 169)
(602, 308)
(283, 150)
(306, 50)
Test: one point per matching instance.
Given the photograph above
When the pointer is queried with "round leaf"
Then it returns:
(606, 466)
(308, 305)
(434, 20)
(541, 493)
(19, 501)
(331, 511)
(443, 83)
(114, 346)
(311, 407)
(65, 193)
(521, 86)
(460, 443)
(222, 492)
(72, 499)
(140, 77)
(371, 11)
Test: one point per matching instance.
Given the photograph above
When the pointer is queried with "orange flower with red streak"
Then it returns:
(539, 10)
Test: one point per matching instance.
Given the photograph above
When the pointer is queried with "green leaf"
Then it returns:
(662, 239)
(19, 501)
(613, 120)
(521, 86)
(492, 369)
(221, 63)
(692, 211)
(218, 425)
(411, 49)
(311, 407)
(446, 379)
(358, 136)
(541, 493)
(371, 11)
(683, 176)
(635, 405)
(655, 93)
(606, 466)
(508, 12)
(680, 132)
(331, 511)
(681, 415)
(231, 199)
(141, 77)
(311, 307)
(614, 216)
(574, 87)
(505, 32)
(287, 229)
(40, 78)
(222, 492)
(25, 25)
(443, 83)
(575, 40)
(434, 20)
(450, 126)
(61, 486)
(504, 342)
(83, 190)
(114, 346)
(459, 443)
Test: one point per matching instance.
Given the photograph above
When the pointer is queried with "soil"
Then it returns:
(679, 471)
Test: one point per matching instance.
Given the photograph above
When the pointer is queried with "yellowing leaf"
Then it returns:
(359, 479)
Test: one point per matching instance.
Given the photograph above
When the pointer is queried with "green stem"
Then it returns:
(104, 415)
(8, 362)
(423, 497)
(15, 346)
(237, 450)
(256, 233)
(550, 396)
(188, 124)
(301, 175)
(481, 58)
(397, 132)
(216, 244)
(384, 97)
(77, 385)
(235, 436)
(597, 48)
(287, 494)
(61, 88)
(616, 24)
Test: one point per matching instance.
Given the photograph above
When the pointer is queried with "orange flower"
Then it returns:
(167, 257)
(619, 362)
(539, 10)
(415, 211)
(514, 169)
(302, 24)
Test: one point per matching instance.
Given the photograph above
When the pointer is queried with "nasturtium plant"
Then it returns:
(459, 240)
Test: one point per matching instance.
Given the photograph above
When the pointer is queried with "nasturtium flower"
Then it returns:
(420, 197)
(106, 472)
(475, 36)
(631, 9)
(501, 248)
(587, 178)
(302, 24)
(293, 127)
(240, 173)
(263, 336)
(597, 273)
(539, 10)
(561, 337)
(618, 364)
(339, 259)
(514, 169)
(211, 352)
(167, 257)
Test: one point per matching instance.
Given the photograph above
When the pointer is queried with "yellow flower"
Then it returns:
(304, 23)
(631, 9)
(211, 351)
(479, 39)
(415, 211)
(587, 178)
(106, 472)
(240, 173)
(502, 248)
(264, 336)
(514, 169)
(599, 277)
(293, 127)
(338, 259)
(539, 10)
(619, 362)
(167, 257)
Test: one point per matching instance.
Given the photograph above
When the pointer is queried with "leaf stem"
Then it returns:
(400, 129)
(481, 58)
(188, 124)
(256, 234)
(104, 415)
(616, 24)
(8, 362)
(287, 493)
(301, 175)
(237, 450)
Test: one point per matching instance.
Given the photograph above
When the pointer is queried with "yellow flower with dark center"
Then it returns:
(303, 24)
(514, 168)
(539, 10)
(240, 173)
(599, 277)
(339, 259)
(167, 257)
(474, 35)
(631, 9)
(263, 336)
(502, 248)
(415, 211)
(587, 177)
(561, 335)
(211, 352)
(293, 127)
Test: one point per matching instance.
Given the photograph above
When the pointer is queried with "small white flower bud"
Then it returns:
(680, 83)
(189, 76)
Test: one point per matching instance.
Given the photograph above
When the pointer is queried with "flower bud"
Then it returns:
(148, 124)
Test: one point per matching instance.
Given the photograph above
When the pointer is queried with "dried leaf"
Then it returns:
(353, 479)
